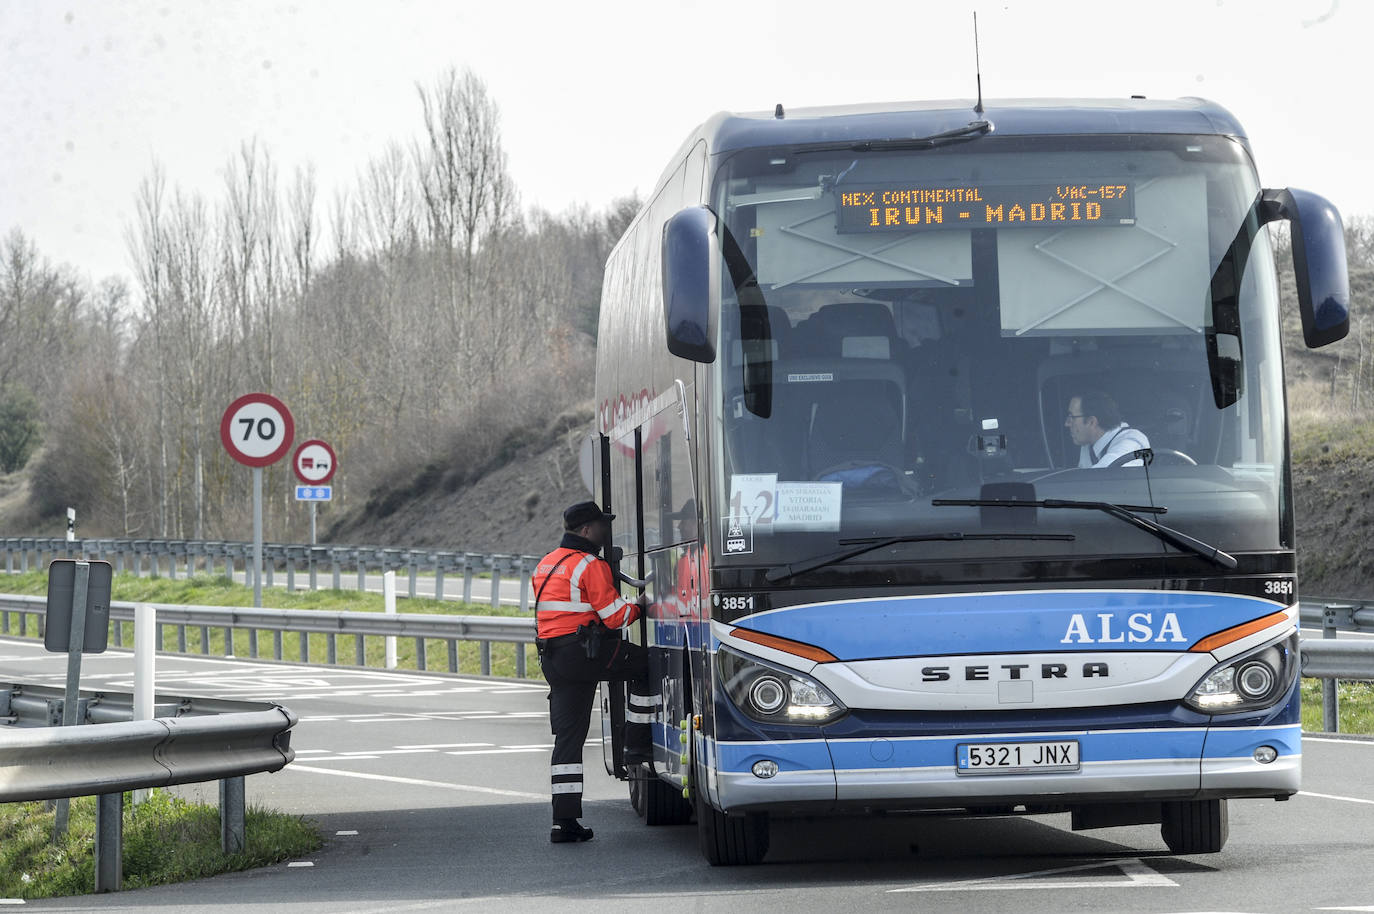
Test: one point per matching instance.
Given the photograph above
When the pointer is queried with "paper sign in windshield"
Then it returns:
(753, 497)
(808, 506)
(759, 501)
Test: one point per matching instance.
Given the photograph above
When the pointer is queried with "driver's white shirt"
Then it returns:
(1113, 444)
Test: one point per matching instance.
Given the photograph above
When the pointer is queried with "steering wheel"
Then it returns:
(1173, 456)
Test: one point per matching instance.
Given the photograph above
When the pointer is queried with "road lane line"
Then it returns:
(1343, 742)
(377, 752)
(492, 751)
(447, 746)
(419, 782)
(1332, 796)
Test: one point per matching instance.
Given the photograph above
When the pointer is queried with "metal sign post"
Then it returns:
(257, 431)
(74, 594)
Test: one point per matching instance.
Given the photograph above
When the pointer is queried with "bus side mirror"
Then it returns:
(1318, 261)
(690, 280)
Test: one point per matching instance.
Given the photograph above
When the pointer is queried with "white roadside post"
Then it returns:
(145, 662)
(257, 431)
(71, 525)
(389, 599)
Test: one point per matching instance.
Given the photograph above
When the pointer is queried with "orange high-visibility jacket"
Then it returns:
(576, 587)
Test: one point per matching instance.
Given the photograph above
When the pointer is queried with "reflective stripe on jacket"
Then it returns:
(576, 587)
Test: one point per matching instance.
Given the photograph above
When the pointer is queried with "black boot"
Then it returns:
(566, 830)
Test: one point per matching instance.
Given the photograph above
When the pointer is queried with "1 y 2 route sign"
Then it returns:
(315, 462)
(257, 430)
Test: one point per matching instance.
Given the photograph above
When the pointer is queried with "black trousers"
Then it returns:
(573, 678)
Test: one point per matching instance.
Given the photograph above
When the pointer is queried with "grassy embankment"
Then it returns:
(166, 840)
(207, 590)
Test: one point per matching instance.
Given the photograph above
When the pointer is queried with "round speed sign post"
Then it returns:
(315, 464)
(257, 431)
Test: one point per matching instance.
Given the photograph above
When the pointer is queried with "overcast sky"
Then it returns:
(596, 95)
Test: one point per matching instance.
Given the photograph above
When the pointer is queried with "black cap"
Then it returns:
(583, 513)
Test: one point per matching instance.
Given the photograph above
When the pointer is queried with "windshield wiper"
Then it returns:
(1126, 513)
(970, 131)
(783, 572)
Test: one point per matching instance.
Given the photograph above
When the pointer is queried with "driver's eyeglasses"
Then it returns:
(1070, 417)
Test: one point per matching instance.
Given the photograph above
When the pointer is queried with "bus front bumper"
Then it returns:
(919, 773)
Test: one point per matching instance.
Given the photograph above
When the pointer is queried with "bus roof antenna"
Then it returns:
(977, 66)
(777, 112)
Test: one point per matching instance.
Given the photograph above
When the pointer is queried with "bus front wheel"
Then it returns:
(1195, 826)
(731, 840)
(656, 802)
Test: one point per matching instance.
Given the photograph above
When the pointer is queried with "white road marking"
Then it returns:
(1344, 742)
(418, 782)
(1135, 874)
(376, 752)
(300, 863)
(491, 751)
(347, 831)
(1332, 796)
(446, 746)
(1358, 907)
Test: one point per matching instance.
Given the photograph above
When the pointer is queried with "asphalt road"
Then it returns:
(431, 792)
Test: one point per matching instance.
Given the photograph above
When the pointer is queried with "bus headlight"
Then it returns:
(1249, 682)
(772, 694)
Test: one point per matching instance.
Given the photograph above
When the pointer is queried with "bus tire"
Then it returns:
(656, 802)
(731, 840)
(1195, 826)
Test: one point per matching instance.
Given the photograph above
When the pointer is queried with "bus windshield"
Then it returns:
(1069, 318)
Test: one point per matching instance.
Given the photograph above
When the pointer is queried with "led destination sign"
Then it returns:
(904, 208)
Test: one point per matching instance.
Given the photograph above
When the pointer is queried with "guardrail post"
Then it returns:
(414, 573)
(181, 639)
(486, 658)
(362, 569)
(331, 649)
(440, 560)
(305, 647)
(468, 561)
(337, 568)
(519, 660)
(452, 655)
(253, 643)
(525, 571)
(109, 841)
(496, 581)
(276, 644)
(359, 651)
(1331, 721)
(421, 661)
(231, 815)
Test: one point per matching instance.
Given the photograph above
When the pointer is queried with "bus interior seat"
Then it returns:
(766, 322)
(861, 323)
(857, 427)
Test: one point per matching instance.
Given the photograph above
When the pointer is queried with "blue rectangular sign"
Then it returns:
(314, 493)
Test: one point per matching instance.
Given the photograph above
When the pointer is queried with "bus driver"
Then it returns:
(1094, 423)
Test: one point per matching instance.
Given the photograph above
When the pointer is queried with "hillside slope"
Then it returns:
(515, 505)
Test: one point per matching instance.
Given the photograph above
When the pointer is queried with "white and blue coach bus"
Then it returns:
(837, 354)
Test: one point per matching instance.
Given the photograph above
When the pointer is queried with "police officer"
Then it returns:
(579, 615)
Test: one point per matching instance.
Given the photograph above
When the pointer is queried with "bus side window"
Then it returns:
(623, 502)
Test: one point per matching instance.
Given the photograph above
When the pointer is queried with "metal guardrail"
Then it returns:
(190, 740)
(485, 630)
(189, 556)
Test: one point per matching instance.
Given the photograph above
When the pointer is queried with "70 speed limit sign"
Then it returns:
(257, 430)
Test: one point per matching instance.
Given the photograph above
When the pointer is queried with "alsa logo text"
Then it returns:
(1140, 628)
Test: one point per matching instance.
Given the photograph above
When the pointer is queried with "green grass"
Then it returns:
(1355, 701)
(166, 840)
(207, 590)
(1320, 438)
